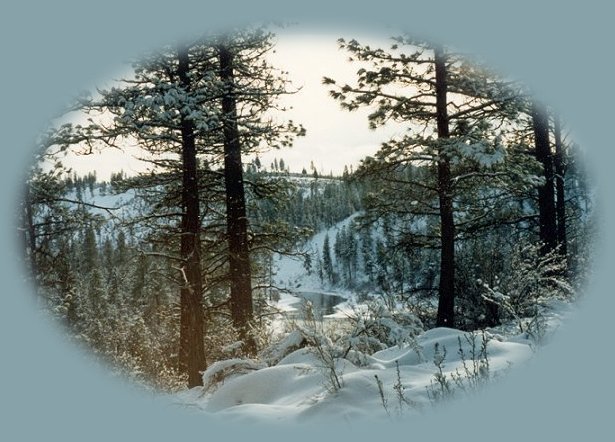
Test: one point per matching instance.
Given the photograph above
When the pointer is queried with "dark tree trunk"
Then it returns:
(236, 220)
(493, 314)
(192, 348)
(446, 291)
(559, 187)
(546, 197)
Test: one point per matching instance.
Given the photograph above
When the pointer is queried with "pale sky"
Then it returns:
(334, 137)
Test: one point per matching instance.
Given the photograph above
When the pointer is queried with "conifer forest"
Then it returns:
(231, 275)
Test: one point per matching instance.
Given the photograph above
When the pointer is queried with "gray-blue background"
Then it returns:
(50, 50)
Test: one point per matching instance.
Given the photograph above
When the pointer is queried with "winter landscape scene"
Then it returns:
(263, 225)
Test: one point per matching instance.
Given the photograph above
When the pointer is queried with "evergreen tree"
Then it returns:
(327, 261)
(187, 104)
(192, 347)
(236, 219)
(453, 111)
(546, 197)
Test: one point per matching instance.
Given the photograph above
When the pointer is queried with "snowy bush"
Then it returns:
(376, 328)
(525, 292)
(219, 371)
(402, 401)
(323, 347)
(472, 371)
(277, 351)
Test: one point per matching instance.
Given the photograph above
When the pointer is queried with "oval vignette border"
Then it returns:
(52, 51)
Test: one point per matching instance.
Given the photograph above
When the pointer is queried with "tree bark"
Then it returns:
(192, 348)
(446, 290)
(236, 220)
(546, 197)
(559, 187)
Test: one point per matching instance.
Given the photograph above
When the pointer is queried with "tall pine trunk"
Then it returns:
(546, 197)
(236, 220)
(446, 291)
(192, 348)
(560, 203)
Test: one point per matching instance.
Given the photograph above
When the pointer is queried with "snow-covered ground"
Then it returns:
(106, 203)
(298, 388)
(295, 382)
(290, 270)
(291, 382)
(113, 207)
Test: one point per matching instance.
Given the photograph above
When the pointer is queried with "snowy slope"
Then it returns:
(296, 389)
(107, 204)
(114, 208)
(394, 383)
(291, 275)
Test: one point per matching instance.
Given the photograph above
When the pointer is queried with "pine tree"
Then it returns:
(546, 197)
(327, 261)
(192, 347)
(186, 105)
(453, 111)
(90, 250)
(236, 220)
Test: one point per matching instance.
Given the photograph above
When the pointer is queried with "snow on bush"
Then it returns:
(278, 351)
(376, 328)
(298, 389)
(525, 293)
(219, 371)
